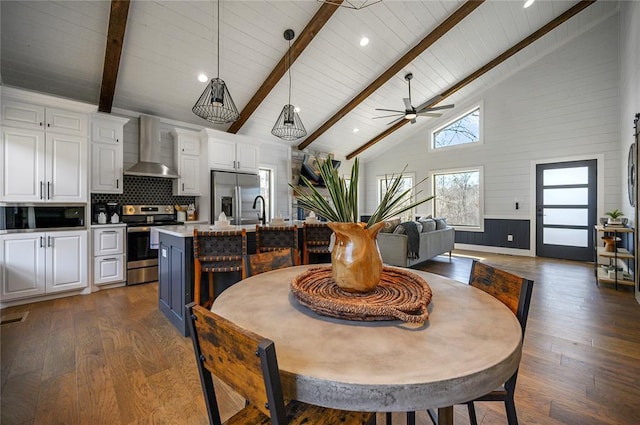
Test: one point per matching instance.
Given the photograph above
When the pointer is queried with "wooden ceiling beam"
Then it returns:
(113, 51)
(577, 8)
(405, 60)
(302, 41)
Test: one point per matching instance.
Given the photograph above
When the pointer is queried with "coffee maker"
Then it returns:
(96, 209)
(113, 208)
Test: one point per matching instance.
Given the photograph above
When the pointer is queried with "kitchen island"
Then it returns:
(176, 272)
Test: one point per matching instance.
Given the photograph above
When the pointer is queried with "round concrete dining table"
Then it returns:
(469, 346)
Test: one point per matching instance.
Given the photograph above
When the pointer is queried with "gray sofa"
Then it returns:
(393, 247)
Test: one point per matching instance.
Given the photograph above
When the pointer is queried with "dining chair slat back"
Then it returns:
(274, 238)
(267, 261)
(515, 292)
(247, 362)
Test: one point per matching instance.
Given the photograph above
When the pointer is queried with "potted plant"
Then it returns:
(355, 258)
(614, 217)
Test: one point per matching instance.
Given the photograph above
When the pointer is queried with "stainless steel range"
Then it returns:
(142, 257)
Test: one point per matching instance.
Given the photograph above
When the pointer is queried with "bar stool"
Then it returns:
(217, 251)
(316, 238)
(273, 238)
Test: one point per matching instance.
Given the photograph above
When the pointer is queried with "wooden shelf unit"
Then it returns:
(618, 259)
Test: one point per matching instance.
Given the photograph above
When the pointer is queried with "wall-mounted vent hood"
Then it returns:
(150, 144)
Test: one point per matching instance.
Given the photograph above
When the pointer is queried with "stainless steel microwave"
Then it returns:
(37, 217)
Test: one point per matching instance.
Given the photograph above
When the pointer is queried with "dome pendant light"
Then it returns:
(215, 104)
(289, 126)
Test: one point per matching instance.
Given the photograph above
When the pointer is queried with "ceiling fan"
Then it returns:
(410, 113)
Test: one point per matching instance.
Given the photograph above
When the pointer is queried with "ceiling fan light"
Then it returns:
(289, 126)
(215, 104)
(528, 3)
(410, 116)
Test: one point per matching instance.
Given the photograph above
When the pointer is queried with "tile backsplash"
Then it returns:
(144, 191)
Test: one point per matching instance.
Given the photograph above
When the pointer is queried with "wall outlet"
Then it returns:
(509, 238)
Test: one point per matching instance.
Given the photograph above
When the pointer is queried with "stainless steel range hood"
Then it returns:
(149, 164)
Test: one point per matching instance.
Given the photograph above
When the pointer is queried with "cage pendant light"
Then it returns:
(289, 126)
(215, 104)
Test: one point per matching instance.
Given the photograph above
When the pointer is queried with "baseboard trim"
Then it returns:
(495, 249)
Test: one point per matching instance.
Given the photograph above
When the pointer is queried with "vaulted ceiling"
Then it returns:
(63, 48)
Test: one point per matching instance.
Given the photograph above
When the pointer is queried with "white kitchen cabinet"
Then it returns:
(42, 167)
(37, 117)
(234, 155)
(187, 155)
(109, 258)
(42, 263)
(107, 150)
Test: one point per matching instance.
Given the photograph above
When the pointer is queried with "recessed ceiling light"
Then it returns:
(296, 109)
(355, 130)
(364, 41)
(203, 78)
(528, 3)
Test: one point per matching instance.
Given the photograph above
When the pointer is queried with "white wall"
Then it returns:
(564, 105)
(277, 156)
(629, 94)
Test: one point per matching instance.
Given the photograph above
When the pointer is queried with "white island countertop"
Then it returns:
(186, 230)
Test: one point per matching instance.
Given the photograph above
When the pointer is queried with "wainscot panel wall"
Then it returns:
(496, 232)
(562, 106)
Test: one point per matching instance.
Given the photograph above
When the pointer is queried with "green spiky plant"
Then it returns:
(342, 205)
(615, 214)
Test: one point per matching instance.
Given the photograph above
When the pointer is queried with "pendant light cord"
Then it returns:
(218, 40)
(289, 69)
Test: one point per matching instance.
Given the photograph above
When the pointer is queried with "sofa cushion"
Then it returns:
(400, 229)
(428, 224)
(390, 225)
(441, 223)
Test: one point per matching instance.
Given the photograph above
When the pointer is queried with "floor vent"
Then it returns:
(14, 317)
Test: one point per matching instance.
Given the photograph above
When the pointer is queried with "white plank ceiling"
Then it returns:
(58, 47)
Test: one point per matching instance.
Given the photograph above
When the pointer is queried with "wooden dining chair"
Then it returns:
(266, 261)
(515, 292)
(216, 252)
(316, 238)
(273, 238)
(247, 362)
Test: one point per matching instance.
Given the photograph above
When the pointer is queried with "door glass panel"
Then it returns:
(563, 176)
(566, 216)
(566, 237)
(573, 196)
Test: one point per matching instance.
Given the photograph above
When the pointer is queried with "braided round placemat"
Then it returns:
(400, 295)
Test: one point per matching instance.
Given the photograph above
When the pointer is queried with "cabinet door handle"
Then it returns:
(109, 231)
(41, 123)
(117, 183)
(41, 189)
(48, 124)
(49, 241)
(109, 259)
(183, 186)
(41, 241)
(48, 190)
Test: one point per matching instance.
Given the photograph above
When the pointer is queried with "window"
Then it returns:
(462, 130)
(458, 197)
(407, 182)
(266, 190)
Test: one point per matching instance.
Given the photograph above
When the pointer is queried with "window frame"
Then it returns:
(412, 196)
(481, 214)
(480, 107)
(272, 181)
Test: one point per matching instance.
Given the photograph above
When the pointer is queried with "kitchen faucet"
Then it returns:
(262, 219)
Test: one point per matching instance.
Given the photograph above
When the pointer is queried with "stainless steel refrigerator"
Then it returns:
(234, 193)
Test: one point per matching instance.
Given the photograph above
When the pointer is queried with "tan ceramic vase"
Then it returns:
(355, 258)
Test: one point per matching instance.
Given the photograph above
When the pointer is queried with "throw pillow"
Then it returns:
(399, 230)
(441, 223)
(428, 224)
(390, 225)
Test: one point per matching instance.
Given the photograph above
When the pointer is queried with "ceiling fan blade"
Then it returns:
(431, 101)
(428, 114)
(387, 116)
(437, 108)
(396, 120)
(407, 103)
(390, 110)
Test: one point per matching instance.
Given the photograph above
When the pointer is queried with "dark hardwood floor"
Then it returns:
(112, 358)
